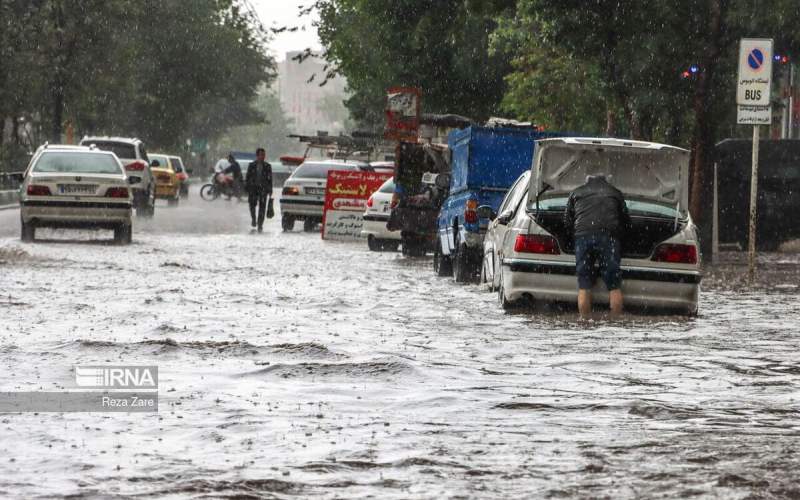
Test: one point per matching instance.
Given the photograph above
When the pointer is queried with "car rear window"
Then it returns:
(162, 160)
(319, 170)
(388, 187)
(123, 150)
(640, 208)
(77, 163)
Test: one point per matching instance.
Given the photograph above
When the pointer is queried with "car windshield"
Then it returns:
(635, 207)
(319, 170)
(77, 163)
(388, 187)
(123, 150)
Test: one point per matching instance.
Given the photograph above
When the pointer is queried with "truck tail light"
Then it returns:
(536, 243)
(369, 202)
(291, 190)
(136, 166)
(676, 253)
(117, 192)
(471, 212)
(34, 190)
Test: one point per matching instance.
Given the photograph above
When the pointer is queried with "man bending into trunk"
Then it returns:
(597, 215)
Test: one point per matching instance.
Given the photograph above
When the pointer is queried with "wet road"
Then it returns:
(292, 367)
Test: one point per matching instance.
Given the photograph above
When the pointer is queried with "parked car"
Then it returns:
(75, 187)
(375, 218)
(303, 193)
(131, 152)
(168, 186)
(529, 253)
(182, 173)
(485, 162)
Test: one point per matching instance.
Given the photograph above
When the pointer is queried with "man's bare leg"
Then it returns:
(584, 303)
(615, 299)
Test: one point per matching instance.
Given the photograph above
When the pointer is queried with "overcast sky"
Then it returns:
(279, 13)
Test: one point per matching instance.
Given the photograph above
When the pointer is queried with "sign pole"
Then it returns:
(715, 220)
(751, 257)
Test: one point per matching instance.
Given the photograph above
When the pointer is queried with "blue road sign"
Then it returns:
(755, 59)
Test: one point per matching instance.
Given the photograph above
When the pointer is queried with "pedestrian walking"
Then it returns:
(597, 215)
(258, 182)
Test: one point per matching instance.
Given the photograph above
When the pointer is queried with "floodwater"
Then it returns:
(291, 367)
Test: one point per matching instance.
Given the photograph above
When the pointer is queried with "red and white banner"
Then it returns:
(346, 195)
(402, 114)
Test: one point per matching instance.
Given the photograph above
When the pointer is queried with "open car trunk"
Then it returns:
(645, 233)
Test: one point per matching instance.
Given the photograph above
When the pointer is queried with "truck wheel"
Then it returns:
(123, 234)
(463, 267)
(309, 225)
(27, 232)
(287, 222)
(442, 264)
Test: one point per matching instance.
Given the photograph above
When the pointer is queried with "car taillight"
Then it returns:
(369, 202)
(395, 200)
(291, 190)
(182, 176)
(536, 243)
(35, 190)
(470, 212)
(136, 166)
(676, 253)
(117, 192)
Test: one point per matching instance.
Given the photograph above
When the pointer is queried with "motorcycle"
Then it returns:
(221, 185)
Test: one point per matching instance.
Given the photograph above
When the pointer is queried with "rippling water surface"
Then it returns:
(293, 367)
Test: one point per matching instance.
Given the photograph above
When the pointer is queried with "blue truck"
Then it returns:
(484, 163)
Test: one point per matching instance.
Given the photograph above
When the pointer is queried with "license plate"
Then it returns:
(77, 188)
(315, 190)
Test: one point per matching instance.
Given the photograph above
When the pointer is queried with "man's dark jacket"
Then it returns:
(234, 169)
(597, 206)
(262, 184)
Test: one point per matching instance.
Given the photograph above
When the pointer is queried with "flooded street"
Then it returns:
(293, 367)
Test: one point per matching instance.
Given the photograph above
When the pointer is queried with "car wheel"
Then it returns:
(442, 264)
(309, 225)
(123, 234)
(374, 244)
(27, 231)
(287, 222)
(506, 304)
(484, 277)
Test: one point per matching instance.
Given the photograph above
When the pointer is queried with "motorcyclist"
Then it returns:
(235, 170)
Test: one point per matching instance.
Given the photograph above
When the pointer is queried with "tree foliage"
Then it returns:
(163, 70)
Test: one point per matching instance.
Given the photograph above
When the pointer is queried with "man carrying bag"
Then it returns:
(258, 183)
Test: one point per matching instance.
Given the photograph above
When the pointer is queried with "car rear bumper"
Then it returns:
(375, 226)
(302, 208)
(167, 190)
(641, 287)
(65, 213)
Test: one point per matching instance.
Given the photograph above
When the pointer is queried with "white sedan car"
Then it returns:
(379, 206)
(75, 187)
(529, 253)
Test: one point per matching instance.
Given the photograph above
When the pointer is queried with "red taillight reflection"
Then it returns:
(536, 243)
(136, 166)
(369, 202)
(470, 216)
(35, 190)
(117, 192)
(676, 253)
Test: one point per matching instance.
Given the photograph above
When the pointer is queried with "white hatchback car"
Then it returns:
(303, 193)
(75, 187)
(529, 253)
(379, 206)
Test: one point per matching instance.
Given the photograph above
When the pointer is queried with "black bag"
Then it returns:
(270, 209)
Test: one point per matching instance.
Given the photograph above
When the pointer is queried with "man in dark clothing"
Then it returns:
(258, 183)
(235, 171)
(597, 214)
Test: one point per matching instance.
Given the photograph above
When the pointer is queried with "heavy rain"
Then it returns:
(411, 249)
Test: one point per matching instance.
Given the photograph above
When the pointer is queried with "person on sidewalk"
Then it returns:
(597, 215)
(258, 183)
